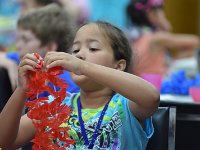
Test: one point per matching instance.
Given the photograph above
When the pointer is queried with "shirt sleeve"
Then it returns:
(148, 128)
(13, 56)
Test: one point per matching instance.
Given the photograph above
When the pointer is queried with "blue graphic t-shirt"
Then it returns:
(119, 130)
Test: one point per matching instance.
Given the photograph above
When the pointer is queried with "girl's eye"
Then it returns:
(75, 51)
(93, 49)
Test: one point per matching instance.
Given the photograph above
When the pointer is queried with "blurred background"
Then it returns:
(9, 12)
(184, 16)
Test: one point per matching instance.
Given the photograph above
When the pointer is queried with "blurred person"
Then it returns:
(48, 28)
(53, 32)
(25, 6)
(152, 39)
(39, 31)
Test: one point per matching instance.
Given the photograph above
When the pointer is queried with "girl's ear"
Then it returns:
(121, 65)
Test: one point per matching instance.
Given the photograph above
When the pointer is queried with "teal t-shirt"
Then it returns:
(119, 130)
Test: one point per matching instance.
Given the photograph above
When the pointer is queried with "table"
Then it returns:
(187, 121)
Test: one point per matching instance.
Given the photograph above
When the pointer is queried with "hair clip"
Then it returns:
(149, 4)
(139, 6)
(154, 3)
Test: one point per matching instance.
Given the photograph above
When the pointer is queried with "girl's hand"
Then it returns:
(28, 63)
(64, 60)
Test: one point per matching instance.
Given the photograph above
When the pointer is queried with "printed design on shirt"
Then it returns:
(108, 135)
(74, 131)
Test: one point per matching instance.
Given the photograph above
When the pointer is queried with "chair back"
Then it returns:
(164, 121)
(5, 88)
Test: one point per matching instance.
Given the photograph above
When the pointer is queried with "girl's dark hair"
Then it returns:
(137, 14)
(118, 41)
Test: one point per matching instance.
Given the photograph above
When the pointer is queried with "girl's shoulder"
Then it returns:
(119, 99)
(71, 99)
(68, 100)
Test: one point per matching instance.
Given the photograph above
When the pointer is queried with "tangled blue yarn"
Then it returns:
(178, 83)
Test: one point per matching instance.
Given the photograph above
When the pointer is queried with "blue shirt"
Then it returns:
(72, 87)
(120, 130)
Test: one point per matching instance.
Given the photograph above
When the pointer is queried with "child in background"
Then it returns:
(113, 108)
(41, 30)
(48, 28)
(151, 38)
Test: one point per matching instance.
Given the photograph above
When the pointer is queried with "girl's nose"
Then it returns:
(81, 54)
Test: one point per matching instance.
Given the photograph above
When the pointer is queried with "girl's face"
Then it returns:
(158, 19)
(91, 45)
(27, 42)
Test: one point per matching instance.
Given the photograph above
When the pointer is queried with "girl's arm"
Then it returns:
(144, 97)
(14, 130)
(162, 40)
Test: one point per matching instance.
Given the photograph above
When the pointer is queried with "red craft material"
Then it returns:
(48, 116)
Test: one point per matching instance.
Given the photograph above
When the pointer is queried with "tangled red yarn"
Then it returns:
(48, 116)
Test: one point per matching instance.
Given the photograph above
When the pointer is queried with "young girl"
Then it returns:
(113, 108)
